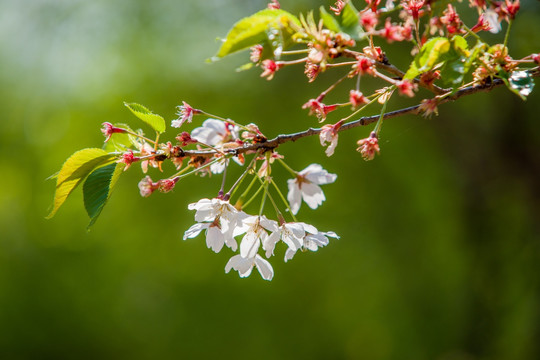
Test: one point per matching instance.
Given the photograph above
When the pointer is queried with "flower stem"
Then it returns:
(233, 188)
(507, 35)
(362, 108)
(383, 110)
(140, 136)
(293, 173)
(283, 199)
(253, 197)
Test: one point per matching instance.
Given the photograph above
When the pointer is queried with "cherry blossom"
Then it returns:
(215, 132)
(215, 237)
(222, 213)
(313, 240)
(244, 266)
(329, 134)
(306, 186)
(185, 113)
(291, 234)
(109, 129)
(254, 228)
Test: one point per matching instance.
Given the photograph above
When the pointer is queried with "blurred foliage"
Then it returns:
(439, 250)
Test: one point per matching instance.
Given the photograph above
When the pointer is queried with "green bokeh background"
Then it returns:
(439, 250)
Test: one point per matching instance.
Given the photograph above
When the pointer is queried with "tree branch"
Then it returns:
(366, 120)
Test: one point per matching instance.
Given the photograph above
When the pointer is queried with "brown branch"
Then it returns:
(366, 120)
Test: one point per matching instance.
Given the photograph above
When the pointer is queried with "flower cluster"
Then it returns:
(223, 223)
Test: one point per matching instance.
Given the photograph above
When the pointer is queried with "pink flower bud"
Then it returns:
(269, 68)
(185, 139)
(274, 4)
(185, 113)
(256, 53)
(357, 98)
(166, 185)
(128, 158)
(406, 87)
(147, 186)
(338, 7)
(108, 129)
(369, 146)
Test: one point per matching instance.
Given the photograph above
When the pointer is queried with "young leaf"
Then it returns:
(329, 21)
(98, 187)
(350, 22)
(252, 30)
(429, 56)
(75, 169)
(155, 121)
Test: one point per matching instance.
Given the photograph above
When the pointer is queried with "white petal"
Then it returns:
(289, 254)
(249, 245)
(330, 150)
(292, 241)
(270, 225)
(195, 230)
(331, 234)
(312, 195)
(214, 239)
(493, 20)
(294, 196)
(264, 267)
(230, 241)
(203, 203)
(321, 177)
(270, 243)
(240, 264)
(309, 228)
(218, 167)
(312, 168)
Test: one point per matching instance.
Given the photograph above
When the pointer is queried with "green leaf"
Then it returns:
(252, 30)
(75, 169)
(329, 21)
(154, 120)
(350, 21)
(428, 57)
(98, 187)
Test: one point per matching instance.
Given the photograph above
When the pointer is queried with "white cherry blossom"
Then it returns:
(215, 237)
(291, 234)
(220, 219)
(244, 266)
(215, 132)
(306, 186)
(312, 241)
(254, 228)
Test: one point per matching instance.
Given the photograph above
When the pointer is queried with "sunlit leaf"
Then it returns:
(350, 21)
(429, 56)
(75, 169)
(98, 187)
(252, 30)
(155, 121)
(329, 21)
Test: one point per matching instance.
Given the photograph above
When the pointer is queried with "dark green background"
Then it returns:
(439, 249)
